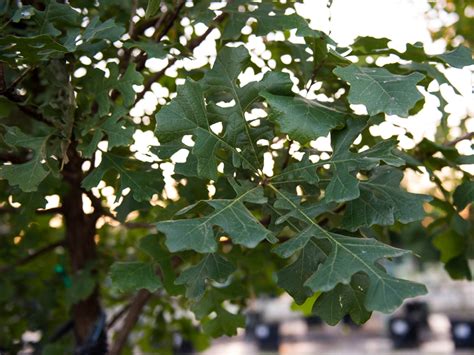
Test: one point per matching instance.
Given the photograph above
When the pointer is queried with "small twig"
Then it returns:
(54, 210)
(44, 250)
(14, 158)
(18, 79)
(466, 136)
(141, 27)
(8, 209)
(193, 44)
(116, 317)
(138, 225)
(3, 84)
(169, 24)
(129, 225)
(287, 156)
(29, 110)
(131, 30)
(158, 36)
(136, 308)
(133, 12)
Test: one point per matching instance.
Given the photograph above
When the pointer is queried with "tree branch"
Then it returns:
(14, 158)
(158, 36)
(192, 45)
(28, 110)
(8, 209)
(17, 80)
(468, 135)
(118, 315)
(129, 225)
(131, 30)
(136, 308)
(138, 225)
(133, 12)
(3, 84)
(55, 210)
(44, 250)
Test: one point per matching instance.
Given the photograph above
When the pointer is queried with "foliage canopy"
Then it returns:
(225, 229)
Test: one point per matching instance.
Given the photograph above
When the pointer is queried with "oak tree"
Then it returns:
(97, 232)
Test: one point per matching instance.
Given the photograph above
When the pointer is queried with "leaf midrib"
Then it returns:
(328, 235)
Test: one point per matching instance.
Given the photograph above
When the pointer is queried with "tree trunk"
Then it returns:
(80, 232)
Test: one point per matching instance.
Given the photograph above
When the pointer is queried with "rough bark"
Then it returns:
(80, 232)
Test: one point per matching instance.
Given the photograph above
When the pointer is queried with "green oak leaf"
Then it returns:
(97, 30)
(292, 278)
(187, 115)
(224, 323)
(189, 234)
(211, 267)
(27, 176)
(458, 58)
(116, 127)
(134, 275)
(304, 120)
(344, 186)
(144, 183)
(231, 215)
(117, 133)
(349, 299)
(152, 8)
(463, 195)
(303, 171)
(383, 202)
(152, 246)
(152, 49)
(269, 18)
(221, 83)
(312, 209)
(31, 50)
(291, 246)
(350, 255)
(196, 108)
(450, 245)
(55, 14)
(98, 87)
(381, 91)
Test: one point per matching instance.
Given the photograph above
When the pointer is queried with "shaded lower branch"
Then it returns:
(44, 250)
(466, 136)
(135, 310)
(116, 317)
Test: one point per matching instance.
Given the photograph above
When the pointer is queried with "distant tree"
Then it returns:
(118, 246)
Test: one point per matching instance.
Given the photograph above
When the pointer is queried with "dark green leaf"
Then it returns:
(134, 275)
(304, 120)
(212, 267)
(381, 91)
(231, 215)
(464, 194)
(29, 175)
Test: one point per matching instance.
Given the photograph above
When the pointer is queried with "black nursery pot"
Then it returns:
(267, 336)
(462, 333)
(313, 320)
(404, 332)
(418, 311)
(182, 346)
